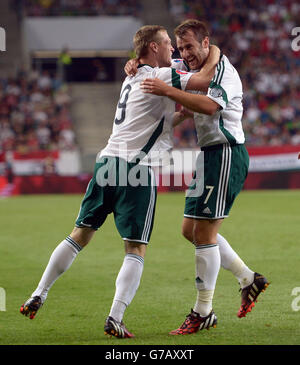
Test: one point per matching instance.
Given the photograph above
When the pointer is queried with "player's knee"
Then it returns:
(205, 231)
(135, 248)
(200, 235)
(203, 237)
(82, 235)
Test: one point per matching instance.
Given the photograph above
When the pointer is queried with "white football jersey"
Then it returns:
(142, 128)
(225, 89)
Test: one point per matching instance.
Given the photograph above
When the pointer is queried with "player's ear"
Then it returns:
(153, 46)
(205, 42)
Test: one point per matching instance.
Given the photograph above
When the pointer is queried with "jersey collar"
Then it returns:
(144, 64)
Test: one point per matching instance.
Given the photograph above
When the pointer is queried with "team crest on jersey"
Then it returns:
(181, 72)
(216, 92)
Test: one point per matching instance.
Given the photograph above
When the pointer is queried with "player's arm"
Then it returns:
(201, 80)
(195, 102)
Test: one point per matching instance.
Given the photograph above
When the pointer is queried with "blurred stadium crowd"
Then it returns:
(35, 114)
(256, 36)
(81, 7)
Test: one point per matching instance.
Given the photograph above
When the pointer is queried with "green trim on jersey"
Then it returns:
(222, 68)
(186, 65)
(176, 79)
(145, 150)
(227, 134)
(216, 83)
(218, 77)
(154, 136)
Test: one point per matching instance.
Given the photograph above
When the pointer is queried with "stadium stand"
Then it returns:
(34, 114)
(256, 36)
(81, 7)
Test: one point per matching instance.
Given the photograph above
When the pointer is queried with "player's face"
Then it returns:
(165, 50)
(192, 51)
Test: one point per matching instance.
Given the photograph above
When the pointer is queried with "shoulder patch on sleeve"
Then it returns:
(216, 93)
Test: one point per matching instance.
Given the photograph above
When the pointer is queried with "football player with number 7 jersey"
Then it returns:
(221, 170)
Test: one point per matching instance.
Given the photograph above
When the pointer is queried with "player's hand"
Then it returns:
(131, 67)
(186, 113)
(207, 72)
(181, 114)
(154, 86)
(215, 52)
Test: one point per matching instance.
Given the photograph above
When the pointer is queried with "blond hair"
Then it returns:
(144, 36)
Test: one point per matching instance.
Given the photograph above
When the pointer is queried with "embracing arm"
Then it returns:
(198, 81)
(198, 103)
(201, 80)
(195, 102)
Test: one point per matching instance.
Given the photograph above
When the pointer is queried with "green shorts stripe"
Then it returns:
(223, 182)
(150, 211)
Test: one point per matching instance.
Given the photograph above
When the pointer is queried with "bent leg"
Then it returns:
(128, 279)
(229, 258)
(62, 258)
(232, 262)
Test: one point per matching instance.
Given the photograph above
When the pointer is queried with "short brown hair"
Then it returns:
(196, 26)
(144, 36)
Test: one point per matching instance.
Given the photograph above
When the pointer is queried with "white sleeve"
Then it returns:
(223, 87)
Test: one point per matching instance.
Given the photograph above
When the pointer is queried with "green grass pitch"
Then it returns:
(263, 227)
